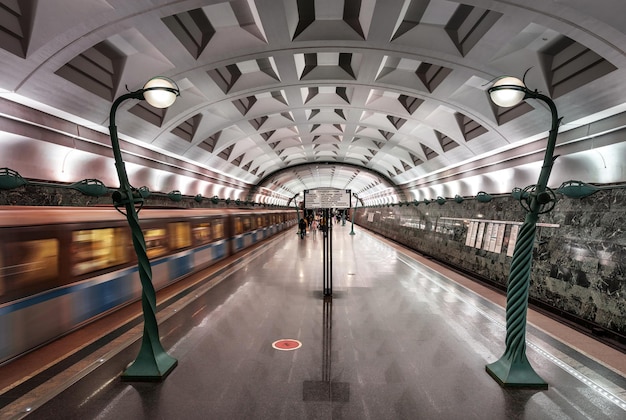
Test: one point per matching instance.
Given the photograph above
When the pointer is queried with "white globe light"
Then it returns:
(507, 97)
(160, 98)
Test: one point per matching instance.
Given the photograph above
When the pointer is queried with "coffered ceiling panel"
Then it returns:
(387, 98)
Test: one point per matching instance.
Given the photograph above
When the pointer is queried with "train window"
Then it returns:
(238, 226)
(218, 229)
(247, 223)
(202, 233)
(96, 249)
(29, 264)
(260, 222)
(156, 242)
(180, 235)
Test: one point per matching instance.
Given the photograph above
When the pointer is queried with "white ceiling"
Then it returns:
(383, 97)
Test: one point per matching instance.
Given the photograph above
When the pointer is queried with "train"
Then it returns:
(63, 267)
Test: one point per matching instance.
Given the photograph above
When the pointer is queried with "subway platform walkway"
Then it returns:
(401, 338)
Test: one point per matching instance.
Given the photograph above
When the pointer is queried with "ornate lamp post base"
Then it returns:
(151, 365)
(515, 374)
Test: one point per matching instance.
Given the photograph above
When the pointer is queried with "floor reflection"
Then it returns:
(326, 389)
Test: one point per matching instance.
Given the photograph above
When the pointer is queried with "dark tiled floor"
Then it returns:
(396, 341)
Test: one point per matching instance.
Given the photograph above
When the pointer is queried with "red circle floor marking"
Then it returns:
(286, 344)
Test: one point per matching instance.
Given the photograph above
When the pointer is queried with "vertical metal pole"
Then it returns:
(327, 253)
(152, 362)
(324, 251)
(325, 241)
(330, 257)
(327, 338)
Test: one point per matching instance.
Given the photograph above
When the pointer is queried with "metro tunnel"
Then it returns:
(457, 167)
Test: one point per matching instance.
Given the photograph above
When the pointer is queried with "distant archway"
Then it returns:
(277, 174)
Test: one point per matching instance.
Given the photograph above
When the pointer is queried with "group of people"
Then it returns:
(312, 224)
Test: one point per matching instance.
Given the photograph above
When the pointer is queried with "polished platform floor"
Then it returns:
(401, 338)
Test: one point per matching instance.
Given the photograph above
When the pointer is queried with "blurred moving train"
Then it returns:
(60, 267)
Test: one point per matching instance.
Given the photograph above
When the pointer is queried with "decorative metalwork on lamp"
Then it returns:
(483, 197)
(10, 179)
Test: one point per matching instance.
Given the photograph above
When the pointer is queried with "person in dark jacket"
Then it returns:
(302, 227)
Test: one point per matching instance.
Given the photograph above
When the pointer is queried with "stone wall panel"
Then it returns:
(578, 265)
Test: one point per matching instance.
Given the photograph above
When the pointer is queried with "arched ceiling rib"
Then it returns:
(389, 87)
(329, 174)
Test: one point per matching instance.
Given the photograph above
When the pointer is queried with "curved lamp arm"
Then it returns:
(510, 91)
(160, 92)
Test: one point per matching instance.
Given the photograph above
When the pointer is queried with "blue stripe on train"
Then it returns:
(100, 293)
(181, 266)
(62, 291)
(102, 297)
(220, 250)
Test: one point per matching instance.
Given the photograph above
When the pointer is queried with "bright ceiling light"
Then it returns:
(507, 91)
(160, 92)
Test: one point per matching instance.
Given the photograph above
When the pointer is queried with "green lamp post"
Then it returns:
(152, 362)
(356, 202)
(513, 369)
(297, 212)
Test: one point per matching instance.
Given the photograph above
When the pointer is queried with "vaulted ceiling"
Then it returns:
(383, 97)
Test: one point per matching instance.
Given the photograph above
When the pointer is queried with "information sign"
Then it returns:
(327, 198)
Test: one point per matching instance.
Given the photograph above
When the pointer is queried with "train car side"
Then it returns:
(70, 265)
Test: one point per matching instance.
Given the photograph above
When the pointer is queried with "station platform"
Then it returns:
(400, 338)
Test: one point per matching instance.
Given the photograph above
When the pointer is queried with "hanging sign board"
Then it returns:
(327, 198)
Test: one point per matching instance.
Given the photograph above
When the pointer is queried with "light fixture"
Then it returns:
(160, 92)
(152, 362)
(507, 92)
(513, 369)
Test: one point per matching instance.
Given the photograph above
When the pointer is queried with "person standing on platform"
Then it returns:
(302, 227)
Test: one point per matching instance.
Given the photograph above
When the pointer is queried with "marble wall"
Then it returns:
(41, 195)
(579, 256)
